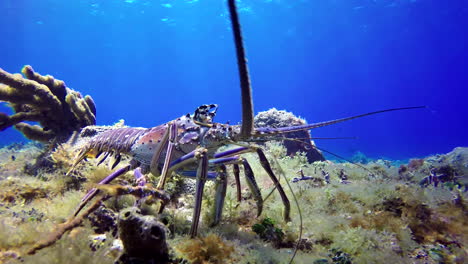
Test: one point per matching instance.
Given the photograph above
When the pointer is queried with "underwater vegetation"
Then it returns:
(209, 249)
(345, 213)
(380, 211)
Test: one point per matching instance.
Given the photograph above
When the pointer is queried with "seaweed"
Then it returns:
(368, 219)
(204, 250)
(267, 231)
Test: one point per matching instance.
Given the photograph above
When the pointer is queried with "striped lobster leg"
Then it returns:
(251, 178)
(93, 192)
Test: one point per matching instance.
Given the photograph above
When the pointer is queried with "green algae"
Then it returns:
(378, 213)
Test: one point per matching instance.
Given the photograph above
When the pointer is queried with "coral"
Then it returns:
(209, 249)
(58, 109)
(300, 141)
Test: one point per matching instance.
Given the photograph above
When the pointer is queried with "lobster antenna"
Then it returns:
(246, 89)
(331, 153)
(333, 138)
(264, 131)
(299, 240)
(299, 139)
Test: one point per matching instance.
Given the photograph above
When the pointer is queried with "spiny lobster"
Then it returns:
(177, 147)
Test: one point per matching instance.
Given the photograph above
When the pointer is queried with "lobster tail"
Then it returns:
(108, 143)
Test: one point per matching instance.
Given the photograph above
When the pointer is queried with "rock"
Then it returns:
(280, 118)
(143, 238)
(450, 167)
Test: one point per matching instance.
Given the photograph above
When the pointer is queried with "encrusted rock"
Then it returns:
(103, 220)
(280, 118)
(457, 158)
(143, 238)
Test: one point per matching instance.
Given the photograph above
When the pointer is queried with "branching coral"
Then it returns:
(59, 110)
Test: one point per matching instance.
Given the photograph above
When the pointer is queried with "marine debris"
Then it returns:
(57, 109)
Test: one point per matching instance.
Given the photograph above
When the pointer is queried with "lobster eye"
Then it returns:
(213, 108)
(205, 113)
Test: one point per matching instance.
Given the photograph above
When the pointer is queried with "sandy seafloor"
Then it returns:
(377, 211)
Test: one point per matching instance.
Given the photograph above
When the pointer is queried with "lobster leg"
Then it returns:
(139, 177)
(187, 159)
(252, 183)
(266, 165)
(236, 162)
(141, 181)
(172, 134)
(81, 156)
(249, 174)
(200, 155)
(221, 187)
(237, 179)
(232, 152)
(93, 192)
(200, 185)
(235, 168)
(220, 177)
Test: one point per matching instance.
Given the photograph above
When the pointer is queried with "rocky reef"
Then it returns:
(411, 212)
(294, 142)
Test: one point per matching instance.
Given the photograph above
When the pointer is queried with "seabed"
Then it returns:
(373, 212)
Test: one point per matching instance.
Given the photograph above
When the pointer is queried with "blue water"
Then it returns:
(148, 62)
